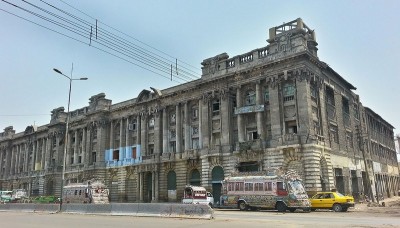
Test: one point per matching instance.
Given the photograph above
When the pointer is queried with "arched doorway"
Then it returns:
(195, 178)
(148, 187)
(217, 175)
(130, 189)
(171, 186)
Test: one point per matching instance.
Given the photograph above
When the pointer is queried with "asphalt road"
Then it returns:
(223, 218)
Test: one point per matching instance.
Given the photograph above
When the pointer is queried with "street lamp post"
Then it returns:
(66, 131)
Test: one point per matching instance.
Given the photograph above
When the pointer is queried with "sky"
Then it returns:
(359, 39)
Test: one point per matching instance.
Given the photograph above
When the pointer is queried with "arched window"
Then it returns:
(195, 178)
(250, 98)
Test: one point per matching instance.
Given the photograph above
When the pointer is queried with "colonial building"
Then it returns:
(275, 106)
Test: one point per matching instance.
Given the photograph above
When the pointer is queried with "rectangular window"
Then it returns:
(258, 187)
(248, 187)
(134, 155)
(266, 96)
(239, 186)
(215, 107)
(334, 133)
(288, 92)
(268, 186)
(94, 157)
(330, 96)
(116, 155)
(231, 186)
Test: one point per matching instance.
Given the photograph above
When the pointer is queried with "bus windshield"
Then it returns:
(296, 187)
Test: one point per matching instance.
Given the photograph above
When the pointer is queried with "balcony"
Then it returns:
(191, 154)
(289, 139)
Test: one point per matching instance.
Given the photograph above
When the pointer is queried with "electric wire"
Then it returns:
(115, 43)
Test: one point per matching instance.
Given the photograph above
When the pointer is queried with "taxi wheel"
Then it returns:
(337, 207)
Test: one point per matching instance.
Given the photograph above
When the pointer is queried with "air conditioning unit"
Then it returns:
(130, 127)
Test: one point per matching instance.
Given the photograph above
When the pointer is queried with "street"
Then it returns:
(223, 218)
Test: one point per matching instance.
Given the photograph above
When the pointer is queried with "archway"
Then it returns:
(148, 187)
(171, 186)
(217, 175)
(195, 178)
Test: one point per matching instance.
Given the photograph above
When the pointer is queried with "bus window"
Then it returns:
(76, 192)
(239, 186)
(258, 187)
(268, 186)
(248, 187)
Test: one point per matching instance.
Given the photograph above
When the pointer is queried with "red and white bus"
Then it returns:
(252, 191)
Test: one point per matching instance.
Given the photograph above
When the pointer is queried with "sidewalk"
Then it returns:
(393, 202)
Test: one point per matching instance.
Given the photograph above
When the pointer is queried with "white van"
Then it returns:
(197, 195)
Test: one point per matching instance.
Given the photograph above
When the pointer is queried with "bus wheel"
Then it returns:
(281, 207)
(242, 206)
(210, 204)
(292, 209)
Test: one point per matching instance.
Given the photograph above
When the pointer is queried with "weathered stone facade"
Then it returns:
(275, 106)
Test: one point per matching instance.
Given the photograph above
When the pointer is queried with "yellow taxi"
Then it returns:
(331, 200)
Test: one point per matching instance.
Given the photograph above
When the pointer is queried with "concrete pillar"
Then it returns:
(141, 176)
(153, 185)
(260, 120)
(240, 120)
(12, 170)
(156, 187)
(45, 151)
(205, 124)
(83, 146)
(139, 131)
(178, 129)
(143, 135)
(111, 135)
(200, 123)
(157, 133)
(186, 125)
(127, 143)
(76, 147)
(88, 148)
(121, 131)
(165, 130)
(32, 165)
(226, 129)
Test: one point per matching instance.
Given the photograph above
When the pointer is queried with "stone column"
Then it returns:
(111, 135)
(143, 135)
(44, 152)
(156, 186)
(12, 170)
(165, 130)
(127, 143)
(68, 155)
(88, 148)
(121, 131)
(186, 124)
(83, 146)
(139, 132)
(141, 174)
(275, 112)
(178, 129)
(260, 121)
(34, 148)
(226, 128)
(204, 124)
(200, 123)
(157, 133)
(153, 185)
(240, 121)
(76, 147)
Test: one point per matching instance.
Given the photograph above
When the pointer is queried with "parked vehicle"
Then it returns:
(91, 192)
(20, 196)
(331, 200)
(46, 199)
(264, 190)
(5, 196)
(197, 195)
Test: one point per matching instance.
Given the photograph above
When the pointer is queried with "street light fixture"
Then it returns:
(66, 130)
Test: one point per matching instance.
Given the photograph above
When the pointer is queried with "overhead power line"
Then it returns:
(129, 49)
